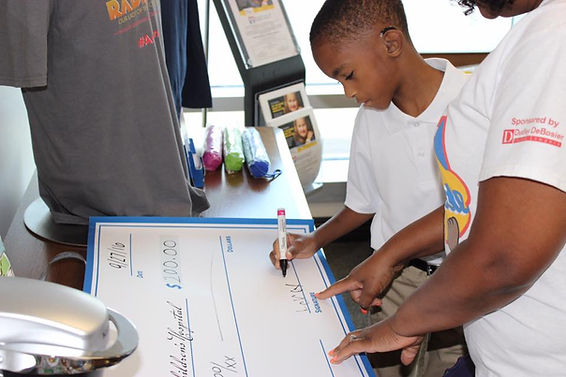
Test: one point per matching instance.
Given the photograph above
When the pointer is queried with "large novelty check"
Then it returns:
(206, 300)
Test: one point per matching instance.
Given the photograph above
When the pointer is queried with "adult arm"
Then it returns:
(518, 231)
(367, 280)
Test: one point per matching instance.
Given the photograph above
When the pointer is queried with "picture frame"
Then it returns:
(283, 101)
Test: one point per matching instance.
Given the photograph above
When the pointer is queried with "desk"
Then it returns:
(237, 195)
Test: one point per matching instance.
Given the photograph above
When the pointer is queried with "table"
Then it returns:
(237, 195)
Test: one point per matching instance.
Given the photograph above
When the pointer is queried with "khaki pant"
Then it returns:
(444, 348)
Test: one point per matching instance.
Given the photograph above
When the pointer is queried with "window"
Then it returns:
(436, 26)
(444, 29)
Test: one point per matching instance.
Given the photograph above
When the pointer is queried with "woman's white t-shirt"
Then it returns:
(510, 120)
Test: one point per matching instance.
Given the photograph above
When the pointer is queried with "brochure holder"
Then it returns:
(264, 47)
(289, 109)
(268, 58)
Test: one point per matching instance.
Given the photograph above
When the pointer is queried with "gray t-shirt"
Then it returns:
(105, 136)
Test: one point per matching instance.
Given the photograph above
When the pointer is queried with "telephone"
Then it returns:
(47, 328)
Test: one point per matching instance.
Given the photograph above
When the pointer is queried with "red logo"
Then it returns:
(539, 135)
(508, 137)
(148, 39)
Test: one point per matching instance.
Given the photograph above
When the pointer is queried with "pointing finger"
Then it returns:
(341, 286)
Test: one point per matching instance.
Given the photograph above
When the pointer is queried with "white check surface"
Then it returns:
(207, 302)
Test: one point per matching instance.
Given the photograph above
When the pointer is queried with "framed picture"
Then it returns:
(283, 101)
(303, 139)
(262, 30)
(299, 131)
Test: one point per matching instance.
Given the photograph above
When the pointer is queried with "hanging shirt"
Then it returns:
(184, 54)
(104, 129)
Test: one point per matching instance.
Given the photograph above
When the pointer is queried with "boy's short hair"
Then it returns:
(343, 20)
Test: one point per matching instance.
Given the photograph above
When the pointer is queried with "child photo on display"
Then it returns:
(303, 132)
(283, 101)
(293, 102)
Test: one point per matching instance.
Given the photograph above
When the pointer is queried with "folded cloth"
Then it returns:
(255, 153)
(212, 156)
(233, 150)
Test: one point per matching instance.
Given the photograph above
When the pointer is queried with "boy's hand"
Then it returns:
(298, 246)
(379, 337)
(366, 281)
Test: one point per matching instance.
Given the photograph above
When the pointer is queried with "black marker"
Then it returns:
(282, 234)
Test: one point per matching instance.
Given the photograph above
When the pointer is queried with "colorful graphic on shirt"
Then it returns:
(121, 8)
(129, 14)
(457, 215)
(148, 39)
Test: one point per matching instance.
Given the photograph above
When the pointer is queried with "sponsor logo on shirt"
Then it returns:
(537, 129)
(457, 215)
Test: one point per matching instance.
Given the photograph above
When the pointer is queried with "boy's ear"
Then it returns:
(393, 41)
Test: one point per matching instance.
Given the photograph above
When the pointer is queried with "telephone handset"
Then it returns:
(47, 328)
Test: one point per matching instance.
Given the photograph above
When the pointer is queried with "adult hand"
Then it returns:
(298, 246)
(379, 337)
(366, 281)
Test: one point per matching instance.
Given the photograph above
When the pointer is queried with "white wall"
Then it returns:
(16, 157)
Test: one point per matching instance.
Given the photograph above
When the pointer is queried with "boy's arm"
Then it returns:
(304, 246)
(367, 280)
(339, 225)
(512, 242)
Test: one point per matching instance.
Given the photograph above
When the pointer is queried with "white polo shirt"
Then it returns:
(392, 170)
(510, 120)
